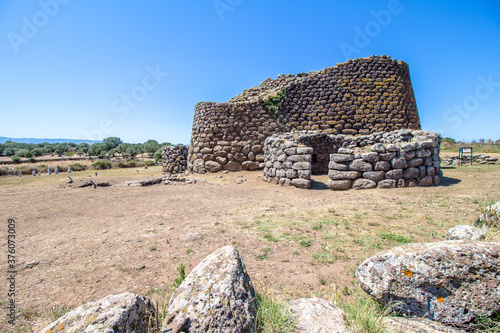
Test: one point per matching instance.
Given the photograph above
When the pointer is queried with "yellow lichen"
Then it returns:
(60, 327)
(407, 272)
(440, 299)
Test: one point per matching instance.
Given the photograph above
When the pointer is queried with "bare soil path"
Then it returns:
(89, 243)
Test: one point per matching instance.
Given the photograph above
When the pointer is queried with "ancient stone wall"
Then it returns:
(174, 159)
(402, 158)
(360, 96)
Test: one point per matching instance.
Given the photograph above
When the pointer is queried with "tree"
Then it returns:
(15, 159)
(132, 151)
(21, 152)
(150, 146)
(28, 154)
(112, 142)
(37, 152)
(157, 155)
(83, 147)
(9, 151)
(97, 149)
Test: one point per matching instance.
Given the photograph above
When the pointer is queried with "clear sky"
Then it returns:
(135, 69)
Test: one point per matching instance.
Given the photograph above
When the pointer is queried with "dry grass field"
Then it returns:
(90, 243)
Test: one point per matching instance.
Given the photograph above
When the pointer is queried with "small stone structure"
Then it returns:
(386, 160)
(174, 159)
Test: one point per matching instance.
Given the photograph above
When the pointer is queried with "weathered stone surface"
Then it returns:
(426, 181)
(361, 184)
(339, 184)
(199, 166)
(399, 163)
(217, 296)
(341, 158)
(387, 183)
(315, 315)
(302, 166)
(411, 173)
(415, 162)
(212, 166)
(382, 166)
(233, 166)
(360, 165)
(394, 174)
(337, 166)
(466, 233)
(299, 158)
(416, 325)
(115, 313)
(301, 183)
(374, 175)
(379, 148)
(387, 156)
(450, 282)
(249, 165)
(370, 157)
(335, 175)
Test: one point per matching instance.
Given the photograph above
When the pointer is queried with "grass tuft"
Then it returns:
(273, 316)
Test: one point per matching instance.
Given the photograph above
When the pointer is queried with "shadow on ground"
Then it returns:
(315, 185)
(447, 181)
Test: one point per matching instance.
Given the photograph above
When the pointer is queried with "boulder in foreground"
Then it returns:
(450, 282)
(217, 296)
(115, 313)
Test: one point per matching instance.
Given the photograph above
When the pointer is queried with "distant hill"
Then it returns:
(33, 140)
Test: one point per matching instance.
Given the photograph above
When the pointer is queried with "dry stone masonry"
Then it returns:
(359, 97)
(402, 158)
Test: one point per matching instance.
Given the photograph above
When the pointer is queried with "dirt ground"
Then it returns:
(89, 243)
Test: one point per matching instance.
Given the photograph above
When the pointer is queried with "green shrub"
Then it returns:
(182, 275)
(28, 154)
(101, 165)
(77, 167)
(16, 159)
(274, 103)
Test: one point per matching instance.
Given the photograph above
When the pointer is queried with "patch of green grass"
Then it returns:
(317, 226)
(363, 314)
(270, 238)
(394, 237)
(306, 242)
(273, 316)
(261, 256)
(58, 311)
(324, 257)
(190, 250)
(182, 275)
(152, 248)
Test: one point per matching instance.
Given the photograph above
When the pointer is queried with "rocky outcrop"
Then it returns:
(115, 313)
(314, 315)
(466, 233)
(450, 282)
(217, 296)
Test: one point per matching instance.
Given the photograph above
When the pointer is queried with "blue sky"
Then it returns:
(92, 69)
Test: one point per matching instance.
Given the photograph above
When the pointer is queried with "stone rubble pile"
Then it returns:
(479, 159)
